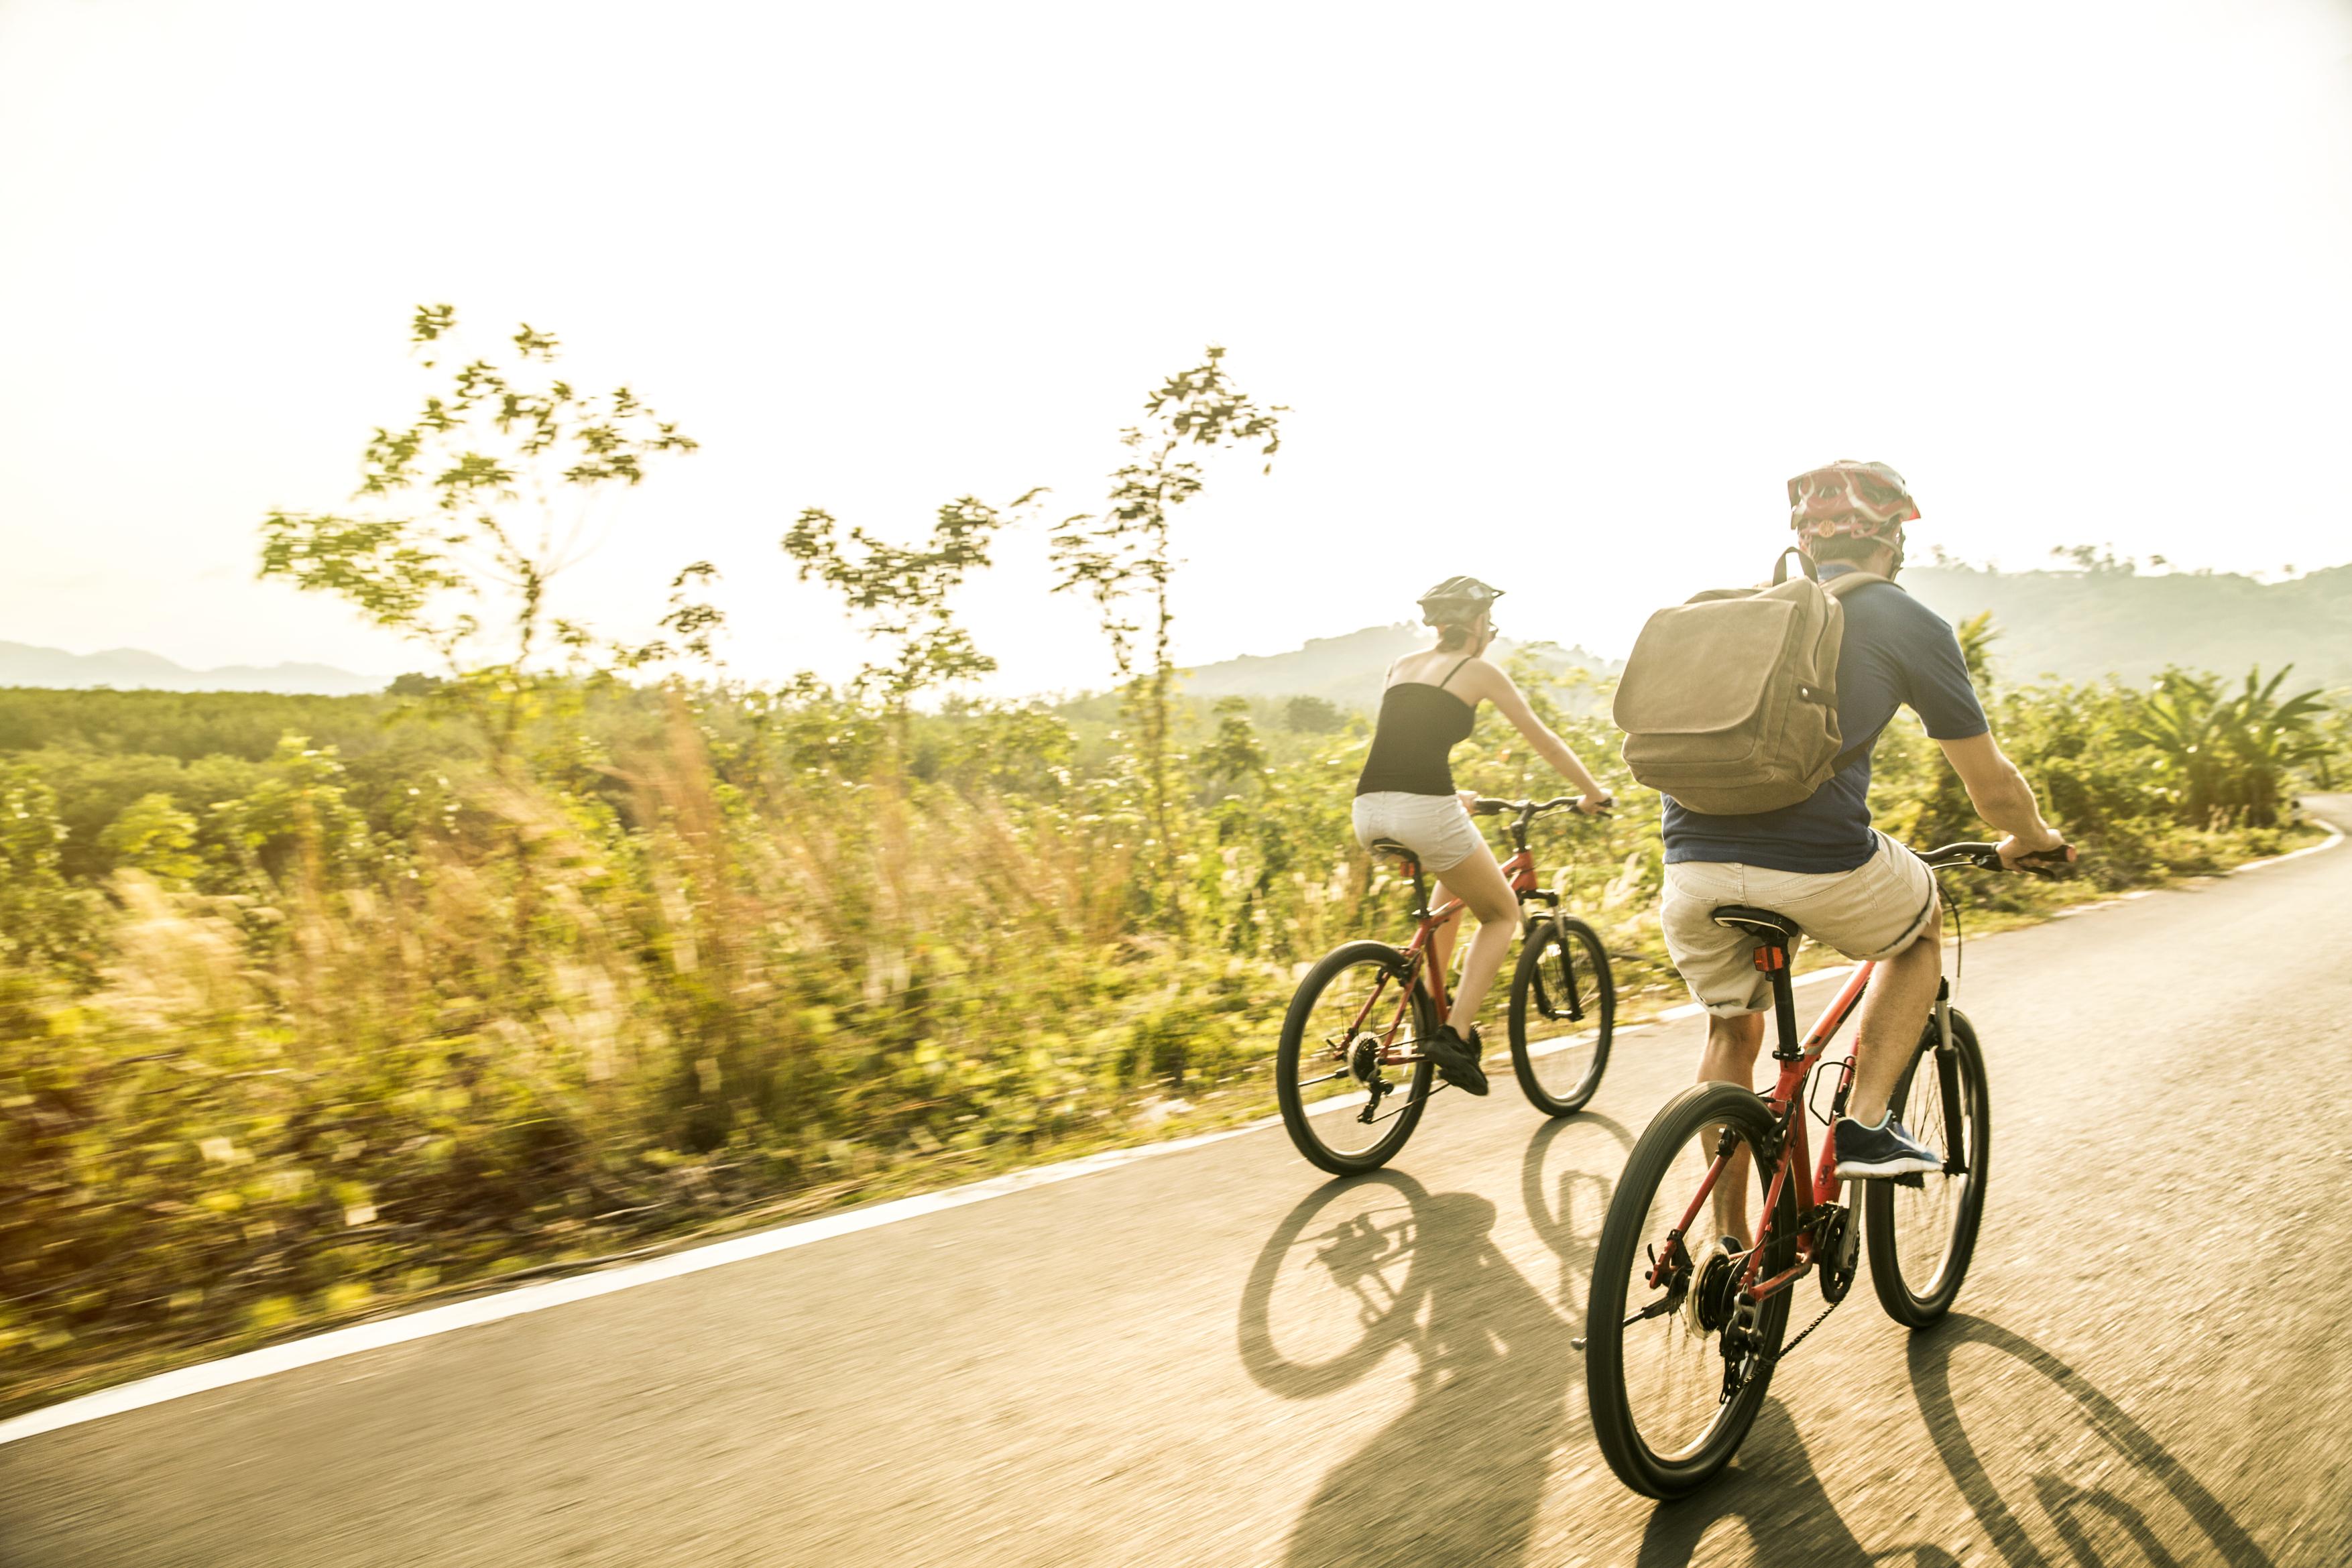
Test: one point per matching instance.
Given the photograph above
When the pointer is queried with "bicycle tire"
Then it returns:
(1885, 1205)
(1626, 1237)
(1527, 991)
(1296, 1120)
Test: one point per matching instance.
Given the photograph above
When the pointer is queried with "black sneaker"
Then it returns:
(1886, 1150)
(1457, 1059)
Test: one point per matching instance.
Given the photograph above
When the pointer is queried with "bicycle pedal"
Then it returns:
(1910, 1179)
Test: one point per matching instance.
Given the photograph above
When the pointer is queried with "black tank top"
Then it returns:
(1420, 725)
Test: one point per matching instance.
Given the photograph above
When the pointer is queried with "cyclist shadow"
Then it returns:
(1460, 1476)
(1777, 1493)
(2079, 1516)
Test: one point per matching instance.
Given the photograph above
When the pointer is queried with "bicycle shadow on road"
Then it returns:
(1460, 1476)
(1568, 1210)
(2079, 1516)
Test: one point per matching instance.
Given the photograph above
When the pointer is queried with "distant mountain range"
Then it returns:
(2080, 625)
(128, 669)
(1348, 670)
(2077, 626)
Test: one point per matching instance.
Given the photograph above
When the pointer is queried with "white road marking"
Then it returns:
(359, 1338)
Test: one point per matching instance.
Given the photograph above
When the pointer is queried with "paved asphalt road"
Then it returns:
(1173, 1364)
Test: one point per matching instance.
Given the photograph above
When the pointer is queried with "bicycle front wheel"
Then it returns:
(1563, 1007)
(1921, 1238)
(1676, 1366)
(1346, 1108)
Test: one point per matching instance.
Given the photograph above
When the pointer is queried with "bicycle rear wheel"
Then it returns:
(1921, 1238)
(1563, 1007)
(1676, 1372)
(1356, 1003)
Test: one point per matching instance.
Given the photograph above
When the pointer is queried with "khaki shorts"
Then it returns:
(1873, 910)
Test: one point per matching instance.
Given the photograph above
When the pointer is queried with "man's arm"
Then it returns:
(2003, 796)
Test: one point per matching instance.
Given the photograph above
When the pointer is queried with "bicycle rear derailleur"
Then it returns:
(1364, 1067)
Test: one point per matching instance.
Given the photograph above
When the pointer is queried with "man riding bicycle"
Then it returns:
(1820, 862)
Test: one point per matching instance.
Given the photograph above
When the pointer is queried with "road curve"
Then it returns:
(1212, 1357)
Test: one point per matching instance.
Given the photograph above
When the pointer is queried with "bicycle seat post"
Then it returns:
(1412, 863)
(1772, 957)
(1776, 936)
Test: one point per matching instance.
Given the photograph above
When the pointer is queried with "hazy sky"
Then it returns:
(1559, 294)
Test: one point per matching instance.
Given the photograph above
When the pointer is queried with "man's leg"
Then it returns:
(1730, 1058)
(1902, 989)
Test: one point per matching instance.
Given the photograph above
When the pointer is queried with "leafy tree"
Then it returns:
(1976, 635)
(1122, 553)
(1234, 754)
(41, 918)
(154, 834)
(507, 461)
(2231, 752)
(2270, 739)
(1313, 715)
(902, 594)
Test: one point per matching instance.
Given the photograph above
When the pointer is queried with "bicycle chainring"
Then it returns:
(1838, 1247)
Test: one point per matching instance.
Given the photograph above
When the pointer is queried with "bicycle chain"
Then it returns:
(1778, 1355)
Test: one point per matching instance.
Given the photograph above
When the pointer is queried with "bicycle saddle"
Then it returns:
(1391, 847)
(1762, 922)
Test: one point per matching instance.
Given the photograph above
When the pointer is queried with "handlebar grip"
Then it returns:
(1487, 807)
(2049, 864)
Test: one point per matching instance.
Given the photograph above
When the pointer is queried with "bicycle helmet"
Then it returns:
(1457, 602)
(1859, 500)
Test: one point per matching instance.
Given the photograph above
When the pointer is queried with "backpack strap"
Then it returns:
(1853, 754)
(1804, 564)
(1837, 587)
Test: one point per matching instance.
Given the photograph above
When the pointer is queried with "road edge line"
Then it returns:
(334, 1345)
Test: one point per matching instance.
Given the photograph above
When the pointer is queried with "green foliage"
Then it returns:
(902, 594)
(154, 835)
(1123, 553)
(2231, 753)
(1312, 715)
(505, 459)
(322, 1028)
(1233, 755)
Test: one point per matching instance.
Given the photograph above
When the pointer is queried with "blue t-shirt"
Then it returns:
(1897, 653)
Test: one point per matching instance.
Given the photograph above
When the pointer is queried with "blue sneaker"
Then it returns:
(1886, 1150)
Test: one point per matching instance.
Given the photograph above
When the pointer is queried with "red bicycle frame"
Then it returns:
(1519, 870)
(1795, 1148)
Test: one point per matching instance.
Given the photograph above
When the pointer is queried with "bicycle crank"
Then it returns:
(1839, 1246)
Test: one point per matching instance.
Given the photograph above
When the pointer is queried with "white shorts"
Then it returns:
(1434, 826)
(1874, 911)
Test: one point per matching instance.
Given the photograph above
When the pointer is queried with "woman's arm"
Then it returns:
(1497, 688)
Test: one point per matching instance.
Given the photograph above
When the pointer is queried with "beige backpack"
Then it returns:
(1728, 702)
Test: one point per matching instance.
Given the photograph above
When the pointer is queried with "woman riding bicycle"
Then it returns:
(1406, 794)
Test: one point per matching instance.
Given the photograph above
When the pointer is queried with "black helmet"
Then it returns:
(1456, 602)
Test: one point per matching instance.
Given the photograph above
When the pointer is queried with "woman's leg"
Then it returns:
(1480, 883)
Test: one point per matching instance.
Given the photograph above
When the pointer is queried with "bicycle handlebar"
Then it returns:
(2048, 864)
(1528, 811)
